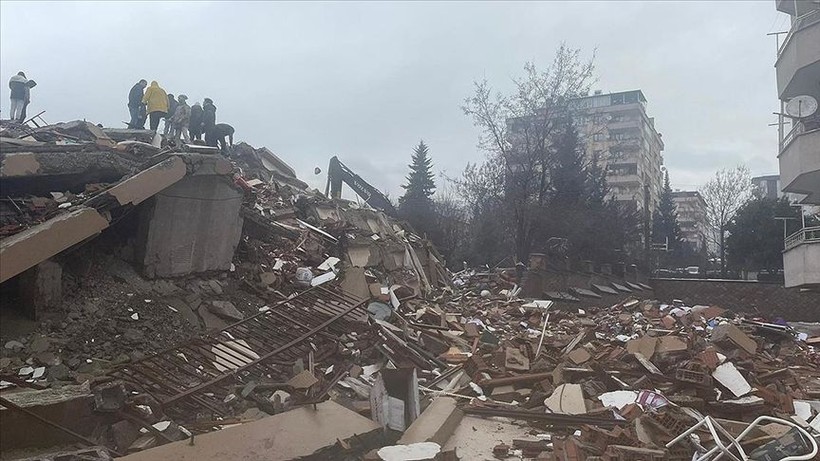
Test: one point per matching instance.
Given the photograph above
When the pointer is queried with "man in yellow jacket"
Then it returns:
(157, 101)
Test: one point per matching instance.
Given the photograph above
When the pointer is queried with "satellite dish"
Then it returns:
(801, 106)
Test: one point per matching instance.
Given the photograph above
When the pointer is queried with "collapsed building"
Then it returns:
(163, 303)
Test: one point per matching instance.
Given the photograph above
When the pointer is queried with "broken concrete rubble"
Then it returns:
(237, 358)
(290, 435)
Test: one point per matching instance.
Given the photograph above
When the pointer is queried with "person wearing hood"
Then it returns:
(17, 85)
(135, 105)
(172, 106)
(195, 126)
(181, 119)
(209, 121)
(157, 101)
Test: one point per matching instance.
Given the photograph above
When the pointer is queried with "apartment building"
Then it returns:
(691, 209)
(798, 87)
(769, 186)
(619, 133)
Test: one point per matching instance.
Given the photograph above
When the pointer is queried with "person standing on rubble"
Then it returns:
(220, 132)
(29, 85)
(195, 126)
(17, 85)
(135, 105)
(181, 119)
(172, 107)
(209, 122)
(157, 101)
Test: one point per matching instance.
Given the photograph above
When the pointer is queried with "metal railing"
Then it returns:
(805, 235)
(800, 127)
(799, 23)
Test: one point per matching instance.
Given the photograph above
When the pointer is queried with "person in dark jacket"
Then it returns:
(209, 121)
(17, 85)
(172, 107)
(29, 85)
(135, 105)
(195, 125)
(220, 132)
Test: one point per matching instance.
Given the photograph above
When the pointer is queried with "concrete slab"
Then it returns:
(634, 286)
(435, 424)
(148, 182)
(355, 282)
(70, 406)
(20, 164)
(560, 296)
(603, 289)
(567, 399)
(285, 436)
(624, 289)
(475, 437)
(583, 292)
(28, 248)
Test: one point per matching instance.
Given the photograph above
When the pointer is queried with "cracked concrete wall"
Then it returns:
(192, 226)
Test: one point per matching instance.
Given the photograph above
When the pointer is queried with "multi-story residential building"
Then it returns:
(616, 131)
(798, 81)
(691, 209)
(619, 133)
(769, 186)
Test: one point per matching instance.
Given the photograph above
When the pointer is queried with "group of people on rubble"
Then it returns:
(20, 93)
(181, 120)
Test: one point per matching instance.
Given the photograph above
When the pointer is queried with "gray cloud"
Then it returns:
(366, 81)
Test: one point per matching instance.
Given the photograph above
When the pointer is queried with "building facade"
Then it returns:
(691, 209)
(769, 186)
(798, 81)
(618, 132)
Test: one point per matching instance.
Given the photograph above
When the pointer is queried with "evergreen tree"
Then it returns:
(416, 205)
(420, 184)
(597, 187)
(665, 221)
(755, 238)
(568, 173)
(595, 226)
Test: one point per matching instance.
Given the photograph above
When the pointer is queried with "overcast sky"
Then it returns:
(365, 81)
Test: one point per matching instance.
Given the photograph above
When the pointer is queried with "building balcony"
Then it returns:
(798, 60)
(622, 179)
(794, 8)
(624, 124)
(800, 161)
(801, 258)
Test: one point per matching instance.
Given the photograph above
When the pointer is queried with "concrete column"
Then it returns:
(41, 287)
(191, 226)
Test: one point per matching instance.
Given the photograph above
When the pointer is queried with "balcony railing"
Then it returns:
(804, 235)
(798, 128)
(799, 23)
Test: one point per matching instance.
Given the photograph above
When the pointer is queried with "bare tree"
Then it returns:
(451, 224)
(518, 132)
(724, 195)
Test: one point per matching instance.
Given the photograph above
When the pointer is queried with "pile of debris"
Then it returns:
(337, 333)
